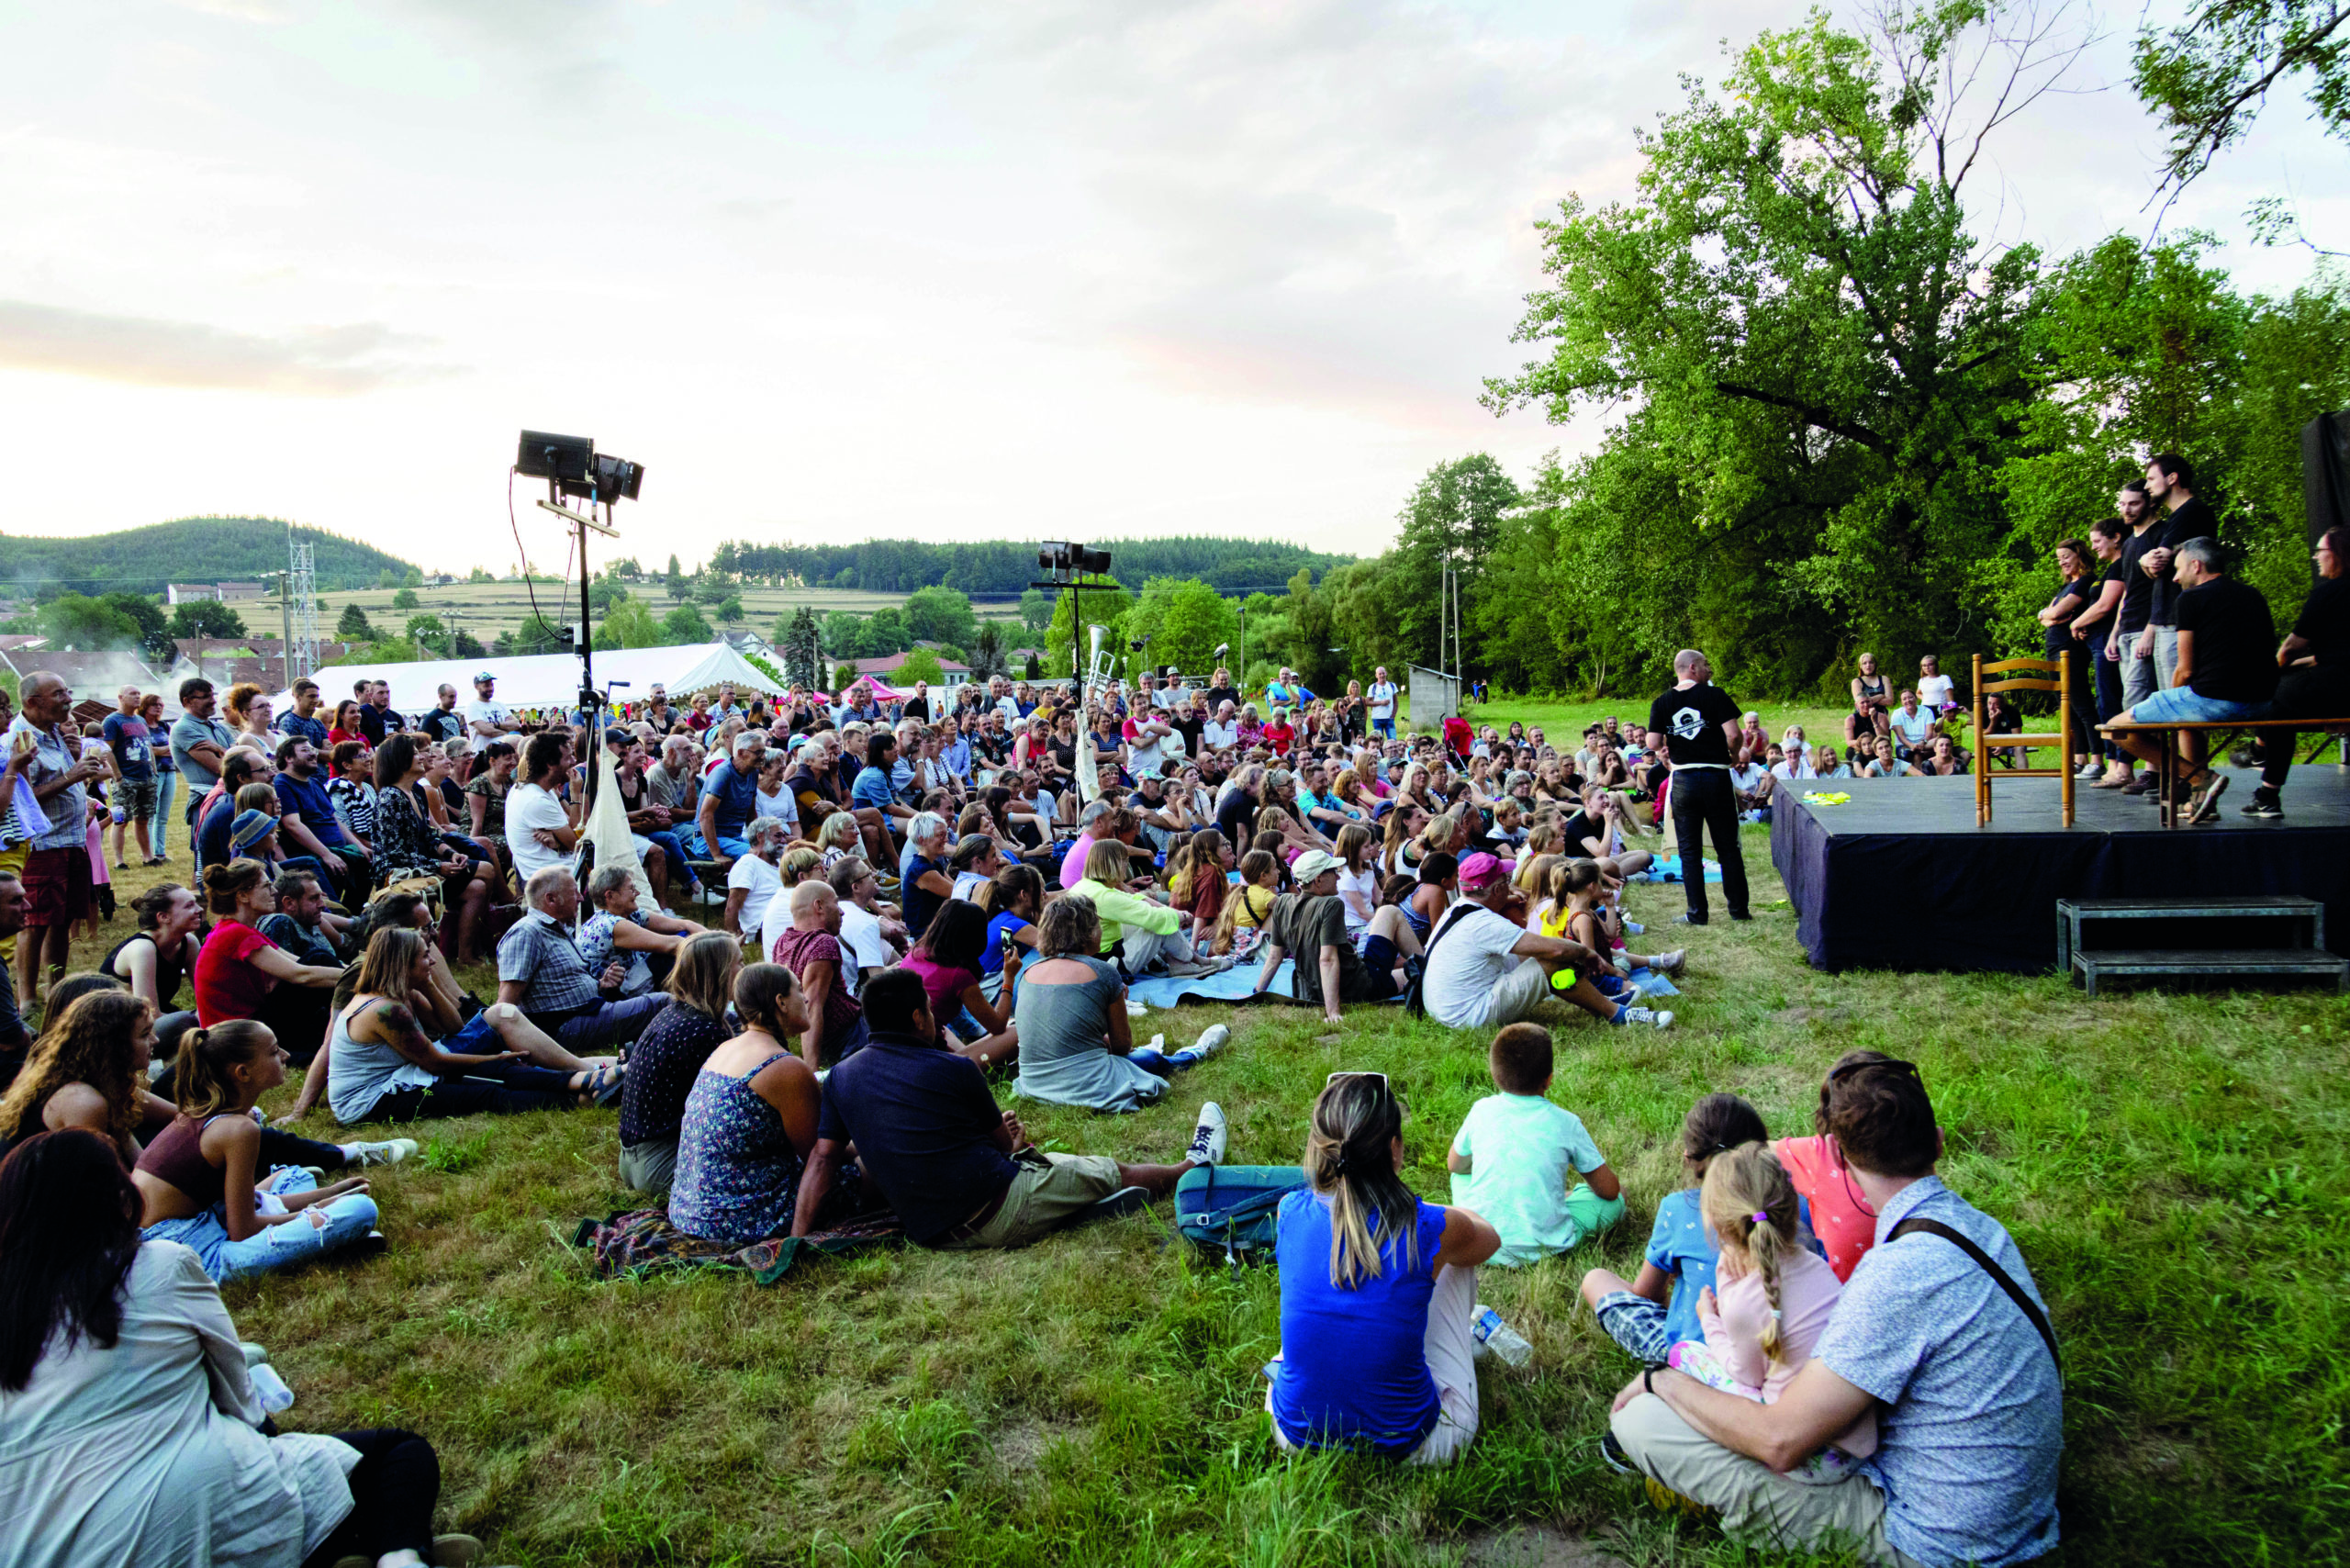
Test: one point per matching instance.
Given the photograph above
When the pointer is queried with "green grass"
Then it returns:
(2172, 1165)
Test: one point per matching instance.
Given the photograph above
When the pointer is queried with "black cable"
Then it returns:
(524, 555)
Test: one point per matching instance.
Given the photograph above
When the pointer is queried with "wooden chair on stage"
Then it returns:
(2042, 675)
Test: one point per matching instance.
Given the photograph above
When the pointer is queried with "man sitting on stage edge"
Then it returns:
(2225, 668)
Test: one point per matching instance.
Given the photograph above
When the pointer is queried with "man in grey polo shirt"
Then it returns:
(1969, 1406)
(540, 970)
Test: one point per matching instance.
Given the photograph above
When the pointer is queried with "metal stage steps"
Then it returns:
(2299, 924)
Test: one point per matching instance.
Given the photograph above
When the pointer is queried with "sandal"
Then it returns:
(603, 1085)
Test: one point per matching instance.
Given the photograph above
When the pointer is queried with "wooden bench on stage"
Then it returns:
(2173, 727)
(2307, 955)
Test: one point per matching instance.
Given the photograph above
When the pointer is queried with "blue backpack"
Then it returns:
(1233, 1206)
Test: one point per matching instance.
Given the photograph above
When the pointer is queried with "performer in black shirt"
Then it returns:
(2316, 679)
(1699, 723)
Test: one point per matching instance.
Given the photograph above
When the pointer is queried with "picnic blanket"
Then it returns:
(1667, 869)
(1648, 982)
(1233, 985)
(634, 1242)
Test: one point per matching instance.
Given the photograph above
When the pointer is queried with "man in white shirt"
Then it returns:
(1752, 781)
(752, 882)
(485, 716)
(1223, 732)
(1383, 704)
(1146, 734)
(1485, 970)
(539, 829)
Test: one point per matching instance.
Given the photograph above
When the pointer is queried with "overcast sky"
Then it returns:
(1035, 268)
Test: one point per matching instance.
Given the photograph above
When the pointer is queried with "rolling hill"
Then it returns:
(190, 550)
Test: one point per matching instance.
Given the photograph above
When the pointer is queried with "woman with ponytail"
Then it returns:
(198, 1179)
(1774, 1301)
(1378, 1293)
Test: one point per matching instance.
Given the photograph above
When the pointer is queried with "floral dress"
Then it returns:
(738, 1171)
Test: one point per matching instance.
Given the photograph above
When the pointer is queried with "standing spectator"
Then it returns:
(304, 719)
(443, 723)
(57, 869)
(377, 718)
(199, 742)
(1940, 1325)
(1700, 725)
(15, 1040)
(167, 774)
(489, 719)
(2315, 660)
(1872, 706)
(133, 746)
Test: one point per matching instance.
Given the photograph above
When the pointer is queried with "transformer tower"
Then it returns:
(302, 647)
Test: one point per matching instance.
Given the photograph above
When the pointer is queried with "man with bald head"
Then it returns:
(57, 867)
(1699, 723)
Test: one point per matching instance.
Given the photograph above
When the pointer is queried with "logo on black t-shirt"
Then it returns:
(1688, 724)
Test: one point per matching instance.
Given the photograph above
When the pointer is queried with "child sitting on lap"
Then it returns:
(1773, 1303)
(1512, 1158)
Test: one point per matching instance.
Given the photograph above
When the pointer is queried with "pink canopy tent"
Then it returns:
(880, 693)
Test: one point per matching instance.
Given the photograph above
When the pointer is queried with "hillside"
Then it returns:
(190, 550)
(1003, 567)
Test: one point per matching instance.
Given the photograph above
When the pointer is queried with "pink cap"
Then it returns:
(1480, 868)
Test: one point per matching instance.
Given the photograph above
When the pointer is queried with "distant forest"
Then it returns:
(190, 550)
(1004, 568)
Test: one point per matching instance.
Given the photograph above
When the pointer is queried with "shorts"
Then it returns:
(2182, 704)
(136, 799)
(1635, 1322)
(1379, 955)
(1045, 1191)
(57, 886)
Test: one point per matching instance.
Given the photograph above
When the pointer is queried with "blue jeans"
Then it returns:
(1386, 728)
(296, 1240)
(731, 848)
(166, 786)
(2167, 652)
(2179, 704)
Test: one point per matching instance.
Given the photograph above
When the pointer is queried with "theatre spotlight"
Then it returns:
(609, 479)
(561, 457)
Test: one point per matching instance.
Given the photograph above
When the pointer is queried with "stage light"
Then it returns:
(559, 457)
(611, 479)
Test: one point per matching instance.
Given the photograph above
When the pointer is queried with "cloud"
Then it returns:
(313, 362)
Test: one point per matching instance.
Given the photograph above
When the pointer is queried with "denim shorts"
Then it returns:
(2180, 704)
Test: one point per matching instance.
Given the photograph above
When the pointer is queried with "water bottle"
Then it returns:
(1501, 1339)
(275, 1394)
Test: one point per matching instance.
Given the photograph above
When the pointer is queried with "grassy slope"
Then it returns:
(2173, 1166)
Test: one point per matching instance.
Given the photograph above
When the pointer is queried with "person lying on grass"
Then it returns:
(198, 1179)
(960, 1173)
(1515, 1152)
(1948, 1335)
(1378, 1293)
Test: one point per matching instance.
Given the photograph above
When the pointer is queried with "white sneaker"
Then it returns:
(1212, 1039)
(1669, 963)
(1648, 1015)
(389, 1153)
(1208, 1138)
(2088, 770)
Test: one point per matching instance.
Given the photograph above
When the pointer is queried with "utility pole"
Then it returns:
(285, 623)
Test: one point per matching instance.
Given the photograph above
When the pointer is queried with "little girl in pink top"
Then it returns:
(1774, 1300)
(1844, 1227)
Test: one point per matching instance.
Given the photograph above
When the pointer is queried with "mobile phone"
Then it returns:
(1010, 944)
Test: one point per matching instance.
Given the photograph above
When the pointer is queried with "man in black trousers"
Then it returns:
(1699, 723)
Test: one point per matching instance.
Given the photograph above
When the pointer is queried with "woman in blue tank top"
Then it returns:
(1378, 1293)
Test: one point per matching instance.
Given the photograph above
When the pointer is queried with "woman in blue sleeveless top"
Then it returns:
(1378, 1293)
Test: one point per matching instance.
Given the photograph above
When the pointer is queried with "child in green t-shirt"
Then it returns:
(1516, 1152)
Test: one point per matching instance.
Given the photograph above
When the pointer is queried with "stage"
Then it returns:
(1900, 877)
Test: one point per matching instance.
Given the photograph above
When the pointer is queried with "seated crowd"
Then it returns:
(905, 906)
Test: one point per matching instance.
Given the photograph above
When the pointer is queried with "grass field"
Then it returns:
(2172, 1165)
(486, 609)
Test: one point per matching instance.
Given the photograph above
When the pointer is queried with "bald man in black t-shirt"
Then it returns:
(1699, 723)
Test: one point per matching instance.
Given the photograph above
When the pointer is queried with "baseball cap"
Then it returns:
(1313, 862)
(1480, 869)
(486, 674)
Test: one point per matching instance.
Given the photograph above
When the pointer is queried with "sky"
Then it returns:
(1031, 269)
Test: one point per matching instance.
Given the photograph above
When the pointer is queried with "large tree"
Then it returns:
(1821, 361)
(1452, 523)
(2208, 77)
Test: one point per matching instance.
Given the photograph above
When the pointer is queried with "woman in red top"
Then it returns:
(242, 974)
(1278, 734)
(1839, 1218)
(346, 724)
(948, 958)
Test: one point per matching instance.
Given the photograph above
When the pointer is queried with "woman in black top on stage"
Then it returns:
(2074, 596)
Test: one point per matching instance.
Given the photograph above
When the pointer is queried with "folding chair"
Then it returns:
(1986, 682)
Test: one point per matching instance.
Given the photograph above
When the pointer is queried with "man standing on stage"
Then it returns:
(2170, 484)
(1699, 723)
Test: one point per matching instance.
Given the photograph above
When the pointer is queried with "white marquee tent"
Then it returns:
(552, 681)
